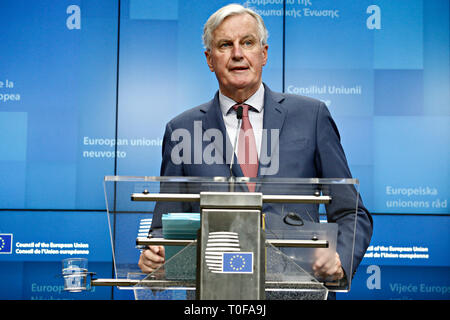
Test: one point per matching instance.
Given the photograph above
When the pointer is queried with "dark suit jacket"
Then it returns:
(309, 147)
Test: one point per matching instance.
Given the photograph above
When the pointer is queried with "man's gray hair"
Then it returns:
(220, 15)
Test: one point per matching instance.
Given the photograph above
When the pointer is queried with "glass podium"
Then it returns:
(223, 242)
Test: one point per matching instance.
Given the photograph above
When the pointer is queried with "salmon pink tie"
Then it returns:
(247, 153)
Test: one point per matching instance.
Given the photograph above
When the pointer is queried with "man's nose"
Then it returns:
(237, 52)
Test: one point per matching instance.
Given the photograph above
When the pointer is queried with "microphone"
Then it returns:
(295, 219)
(239, 112)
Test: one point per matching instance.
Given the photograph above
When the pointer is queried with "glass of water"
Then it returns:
(75, 274)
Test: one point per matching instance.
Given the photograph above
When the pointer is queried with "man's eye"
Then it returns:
(248, 43)
(224, 45)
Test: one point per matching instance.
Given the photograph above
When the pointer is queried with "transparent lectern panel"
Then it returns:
(336, 220)
(174, 280)
(287, 280)
(127, 220)
(293, 209)
(305, 257)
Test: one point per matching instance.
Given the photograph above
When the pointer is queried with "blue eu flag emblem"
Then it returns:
(238, 262)
(5, 243)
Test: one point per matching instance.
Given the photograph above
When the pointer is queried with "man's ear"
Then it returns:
(209, 60)
(265, 49)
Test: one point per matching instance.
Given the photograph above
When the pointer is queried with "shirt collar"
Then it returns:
(256, 101)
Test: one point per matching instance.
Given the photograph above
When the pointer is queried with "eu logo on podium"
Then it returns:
(238, 262)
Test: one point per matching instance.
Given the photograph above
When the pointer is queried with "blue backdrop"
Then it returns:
(74, 74)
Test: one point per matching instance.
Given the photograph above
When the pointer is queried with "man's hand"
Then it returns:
(328, 266)
(151, 259)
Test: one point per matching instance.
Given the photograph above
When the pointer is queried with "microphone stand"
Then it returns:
(231, 179)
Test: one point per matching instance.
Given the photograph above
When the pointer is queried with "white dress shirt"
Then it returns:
(255, 116)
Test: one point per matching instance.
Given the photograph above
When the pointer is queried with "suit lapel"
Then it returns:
(274, 116)
(213, 120)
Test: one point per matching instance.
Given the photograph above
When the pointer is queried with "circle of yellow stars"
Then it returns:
(2, 243)
(239, 258)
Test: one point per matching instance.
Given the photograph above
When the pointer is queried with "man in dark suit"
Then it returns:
(292, 137)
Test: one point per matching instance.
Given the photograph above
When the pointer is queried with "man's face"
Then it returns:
(237, 57)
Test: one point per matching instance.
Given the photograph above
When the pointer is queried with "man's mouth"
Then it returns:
(239, 68)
